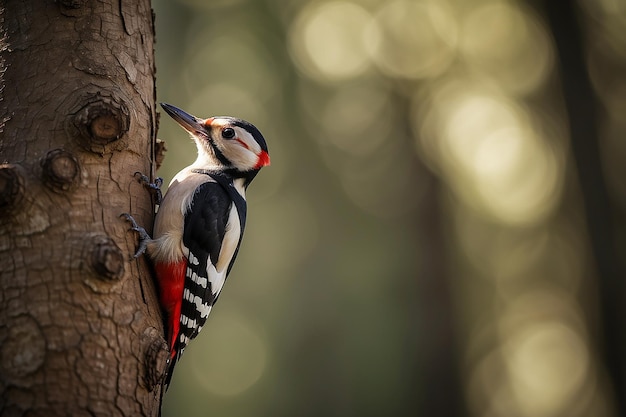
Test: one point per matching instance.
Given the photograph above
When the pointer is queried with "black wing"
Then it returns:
(205, 227)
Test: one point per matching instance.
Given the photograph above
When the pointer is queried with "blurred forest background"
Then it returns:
(441, 229)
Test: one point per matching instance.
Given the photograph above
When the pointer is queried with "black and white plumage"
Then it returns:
(207, 224)
(200, 222)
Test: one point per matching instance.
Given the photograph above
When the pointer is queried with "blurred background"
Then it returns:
(441, 229)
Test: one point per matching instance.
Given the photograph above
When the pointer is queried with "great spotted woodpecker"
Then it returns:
(200, 222)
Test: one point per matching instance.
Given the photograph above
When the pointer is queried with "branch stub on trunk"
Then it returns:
(23, 350)
(11, 187)
(60, 170)
(99, 123)
(156, 357)
(107, 259)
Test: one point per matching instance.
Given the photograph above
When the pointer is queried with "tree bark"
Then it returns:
(80, 327)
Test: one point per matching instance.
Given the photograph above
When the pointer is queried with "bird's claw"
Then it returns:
(144, 237)
(153, 187)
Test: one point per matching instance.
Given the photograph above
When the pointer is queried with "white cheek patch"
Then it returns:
(249, 140)
(241, 151)
(240, 157)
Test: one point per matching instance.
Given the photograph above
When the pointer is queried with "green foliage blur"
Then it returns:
(418, 244)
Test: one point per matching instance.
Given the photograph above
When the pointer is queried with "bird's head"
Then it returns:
(224, 143)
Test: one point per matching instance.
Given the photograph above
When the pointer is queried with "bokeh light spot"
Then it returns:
(329, 40)
(417, 38)
(230, 358)
(508, 44)
(544, 350)
(548, 363)
(487, 149)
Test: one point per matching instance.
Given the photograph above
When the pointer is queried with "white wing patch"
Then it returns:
(204, 284)
(217, 272)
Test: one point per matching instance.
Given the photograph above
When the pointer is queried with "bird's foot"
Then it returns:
(153, 187)
(144, 237)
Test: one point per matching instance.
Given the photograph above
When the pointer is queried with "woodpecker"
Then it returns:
(200, 222)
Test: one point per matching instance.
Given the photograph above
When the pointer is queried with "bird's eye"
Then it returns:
(228, 133)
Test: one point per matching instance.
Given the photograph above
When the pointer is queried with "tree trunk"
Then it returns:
(582, 109)
(80, 326)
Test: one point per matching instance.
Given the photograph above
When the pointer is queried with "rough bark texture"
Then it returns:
(80, 327)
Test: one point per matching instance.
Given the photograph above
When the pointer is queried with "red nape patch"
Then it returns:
(264, 160)
(171, 280)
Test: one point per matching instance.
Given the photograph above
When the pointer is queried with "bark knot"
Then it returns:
(11, 187)
(100, 121)
(107, 259)
(156, 357)
(60, 170)
(24, 350)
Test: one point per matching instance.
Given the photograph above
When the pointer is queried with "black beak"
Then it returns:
(190, 123)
